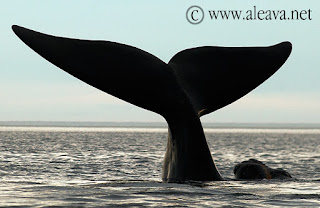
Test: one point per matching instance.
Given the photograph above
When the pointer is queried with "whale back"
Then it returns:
(123, 71)
(214, 77)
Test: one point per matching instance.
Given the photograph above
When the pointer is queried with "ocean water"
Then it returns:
(121, 167)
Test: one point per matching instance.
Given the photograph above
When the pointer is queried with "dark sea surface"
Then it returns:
(121, 166)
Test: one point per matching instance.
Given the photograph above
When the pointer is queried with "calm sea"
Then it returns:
(72, 166)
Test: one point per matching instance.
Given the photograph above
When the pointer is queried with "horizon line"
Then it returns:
(157, 124)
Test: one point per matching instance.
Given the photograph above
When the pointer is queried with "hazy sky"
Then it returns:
(32, 89)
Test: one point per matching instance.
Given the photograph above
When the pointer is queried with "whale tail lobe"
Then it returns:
(214, 77)
(123, 71)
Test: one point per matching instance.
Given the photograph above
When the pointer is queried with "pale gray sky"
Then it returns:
(33, 89)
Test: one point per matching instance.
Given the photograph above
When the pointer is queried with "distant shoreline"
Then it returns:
(157, 124)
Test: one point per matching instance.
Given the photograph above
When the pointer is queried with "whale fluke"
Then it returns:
(214, 77)
(195, 82)
(123, 71)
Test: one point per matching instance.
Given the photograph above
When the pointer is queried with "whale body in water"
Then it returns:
(195, 82)
(253, 169)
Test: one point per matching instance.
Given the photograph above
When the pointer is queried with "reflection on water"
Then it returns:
(56, 166)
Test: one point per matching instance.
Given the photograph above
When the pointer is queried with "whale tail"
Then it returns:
(195, 82)
(212, 77)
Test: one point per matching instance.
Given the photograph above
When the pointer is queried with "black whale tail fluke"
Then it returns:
(195, 82)
(123, 71)
(214, 77)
